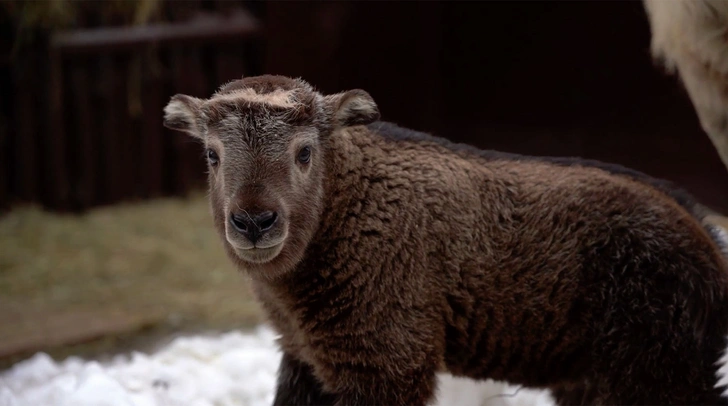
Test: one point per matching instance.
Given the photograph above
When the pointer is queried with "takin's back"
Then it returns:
(565, 267)
(395, 133)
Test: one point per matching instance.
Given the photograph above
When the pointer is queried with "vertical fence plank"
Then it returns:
(109, 134)
(125, 155)
(133, 113)
(86, 148)
(97, 98)
(56, 181)
(26, 168)
(189, 78)
(151, 153)
(71, 138)
(4, 164)
(7, 110)
(5, 128)
(169, 137)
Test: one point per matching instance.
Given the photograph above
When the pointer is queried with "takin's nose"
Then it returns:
(253, 225)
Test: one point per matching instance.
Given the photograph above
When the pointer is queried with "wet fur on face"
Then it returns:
(407, 254)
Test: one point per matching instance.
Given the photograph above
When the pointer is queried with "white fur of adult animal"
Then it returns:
(690, 39)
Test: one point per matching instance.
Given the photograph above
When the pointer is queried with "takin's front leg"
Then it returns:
(363, 371)
(371, 387)
(298, 386)
(574, 394)
(357, 385)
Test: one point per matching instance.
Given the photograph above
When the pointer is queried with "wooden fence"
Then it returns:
(85, 119)
(547, 78)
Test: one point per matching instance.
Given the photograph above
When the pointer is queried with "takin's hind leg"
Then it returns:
(658, 374)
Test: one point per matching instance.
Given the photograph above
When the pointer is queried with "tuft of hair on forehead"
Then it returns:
(273, 98)
(293, 97)
(265, 84)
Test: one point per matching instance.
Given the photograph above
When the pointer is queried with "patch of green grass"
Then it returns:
(160, 262)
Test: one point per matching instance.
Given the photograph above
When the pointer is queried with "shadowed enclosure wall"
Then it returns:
(533, 77)
(552, 78)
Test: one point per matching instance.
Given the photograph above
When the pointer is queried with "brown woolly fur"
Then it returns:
(383, 256)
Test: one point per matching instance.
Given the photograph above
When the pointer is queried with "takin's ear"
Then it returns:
(181, 114)
(354, 107)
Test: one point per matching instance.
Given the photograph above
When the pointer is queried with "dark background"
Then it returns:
(83, 84)
(82, 124)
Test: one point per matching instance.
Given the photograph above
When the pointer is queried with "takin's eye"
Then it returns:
(304, 155)
(212, 157)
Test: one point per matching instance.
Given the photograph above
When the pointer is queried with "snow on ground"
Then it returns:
(228, 369)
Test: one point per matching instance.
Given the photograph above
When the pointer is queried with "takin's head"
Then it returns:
(265, 142)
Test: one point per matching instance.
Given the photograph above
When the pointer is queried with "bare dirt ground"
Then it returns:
(115, 278)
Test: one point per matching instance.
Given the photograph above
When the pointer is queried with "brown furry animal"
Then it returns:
(384, 255)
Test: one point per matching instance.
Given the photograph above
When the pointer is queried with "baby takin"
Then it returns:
(383, 256)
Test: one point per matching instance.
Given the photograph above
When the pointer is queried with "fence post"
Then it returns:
(56, 180)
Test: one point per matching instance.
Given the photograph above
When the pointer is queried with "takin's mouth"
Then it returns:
(258, 255)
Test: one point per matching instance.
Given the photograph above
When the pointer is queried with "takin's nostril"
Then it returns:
(239, 223)
(266, 220)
